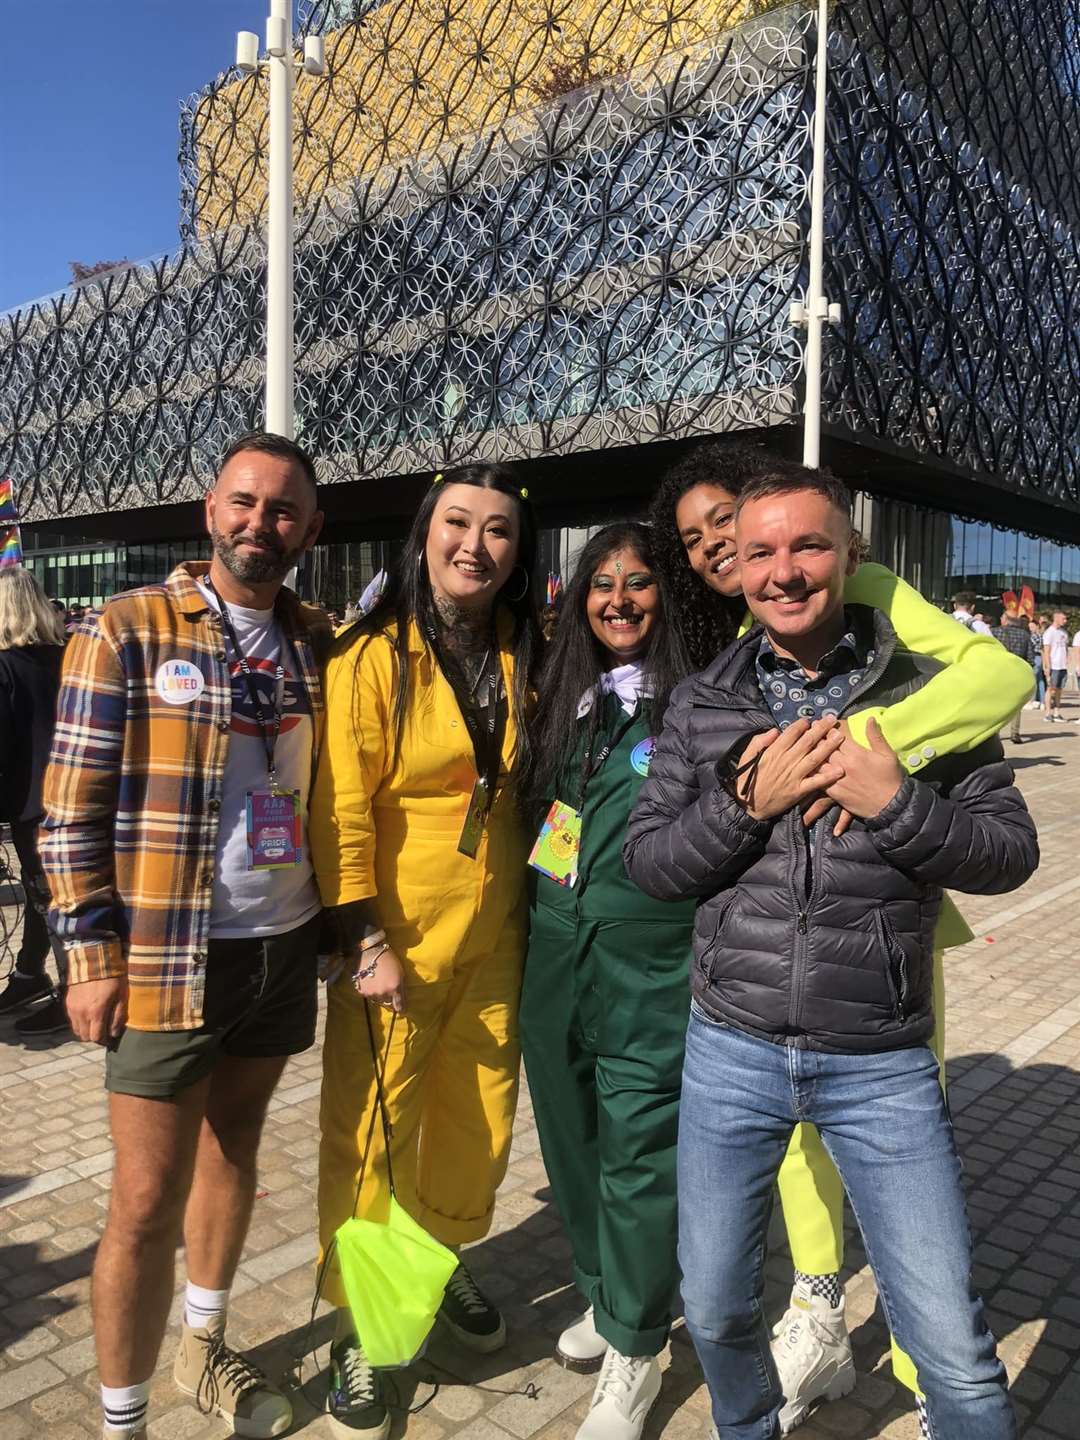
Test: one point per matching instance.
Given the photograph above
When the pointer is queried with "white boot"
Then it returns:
(581, 1347)
(625, 1393)
(812, 1354)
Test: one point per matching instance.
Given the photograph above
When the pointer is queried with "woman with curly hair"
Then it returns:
(692, 517)
(693, 521)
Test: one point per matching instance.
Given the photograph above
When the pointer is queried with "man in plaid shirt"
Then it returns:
(175, 846)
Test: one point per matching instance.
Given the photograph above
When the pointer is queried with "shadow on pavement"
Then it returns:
(1018, 1132)
(10, 1036)
(29, 1279)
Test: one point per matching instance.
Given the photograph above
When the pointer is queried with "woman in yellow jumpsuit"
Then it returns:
(693, 521)
(419, 853)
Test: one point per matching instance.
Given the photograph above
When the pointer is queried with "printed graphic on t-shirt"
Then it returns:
(294, 705)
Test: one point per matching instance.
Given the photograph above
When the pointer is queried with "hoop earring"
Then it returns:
(513, 599)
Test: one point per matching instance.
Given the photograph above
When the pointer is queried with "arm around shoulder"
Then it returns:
(981, 687)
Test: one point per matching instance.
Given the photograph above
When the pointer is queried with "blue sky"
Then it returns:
(89, 111)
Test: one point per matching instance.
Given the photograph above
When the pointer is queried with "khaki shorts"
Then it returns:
(261, 1001)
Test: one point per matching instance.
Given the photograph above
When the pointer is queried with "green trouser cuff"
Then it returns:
(645, 1340)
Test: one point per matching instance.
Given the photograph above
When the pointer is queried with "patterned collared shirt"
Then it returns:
(133, 789)
(793, 695)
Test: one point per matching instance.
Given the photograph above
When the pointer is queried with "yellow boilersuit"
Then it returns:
(386, 829)
(983, 687)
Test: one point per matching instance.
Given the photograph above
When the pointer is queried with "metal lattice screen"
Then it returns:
(953, 234)
(603, 267)
(529, 227)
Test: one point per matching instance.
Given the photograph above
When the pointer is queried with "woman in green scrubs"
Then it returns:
(605, 999)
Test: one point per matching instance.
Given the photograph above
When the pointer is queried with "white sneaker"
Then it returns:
(625, 1393)
(1033, 705)
(812, 1354)
(581, 1347)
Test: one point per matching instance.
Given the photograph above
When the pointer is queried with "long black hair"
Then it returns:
(408, 596)
(707, 622)
(575, 661)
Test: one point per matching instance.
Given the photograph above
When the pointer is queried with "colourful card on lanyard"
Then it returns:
(555, 853)
(274, 834)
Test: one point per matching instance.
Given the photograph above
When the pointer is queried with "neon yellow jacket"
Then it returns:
(983, 687)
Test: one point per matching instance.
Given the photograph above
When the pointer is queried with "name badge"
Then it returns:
(555, 853)
(274, 829)
(472, 831)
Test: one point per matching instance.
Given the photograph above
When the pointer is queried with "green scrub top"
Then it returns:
(603, 890)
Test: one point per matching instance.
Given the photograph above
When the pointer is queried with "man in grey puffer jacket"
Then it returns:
(812, 961)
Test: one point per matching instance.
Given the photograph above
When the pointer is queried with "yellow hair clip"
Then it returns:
(438, 478)
(524, 493)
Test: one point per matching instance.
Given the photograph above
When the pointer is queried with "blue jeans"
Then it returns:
(1040, 681)
(883, 1120)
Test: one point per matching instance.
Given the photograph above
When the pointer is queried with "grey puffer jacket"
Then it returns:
(807, 938)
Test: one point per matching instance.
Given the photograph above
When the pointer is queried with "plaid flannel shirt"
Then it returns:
(133, 791)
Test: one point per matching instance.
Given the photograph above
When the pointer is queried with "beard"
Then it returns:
(249, 566)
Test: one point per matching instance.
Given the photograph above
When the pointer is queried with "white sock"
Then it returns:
(125, 1407)
(204, 1308)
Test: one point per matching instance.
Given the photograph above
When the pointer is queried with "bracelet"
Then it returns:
(375, 938)
(366, 971)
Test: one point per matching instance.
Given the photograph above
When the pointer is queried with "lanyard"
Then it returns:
(487, 738)
(270, 733)
(593, 764)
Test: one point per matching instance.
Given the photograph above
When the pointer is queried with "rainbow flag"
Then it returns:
(10, 546)
(8, 513)
(554, 588)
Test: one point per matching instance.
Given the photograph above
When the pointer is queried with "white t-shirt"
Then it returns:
(261, 902)
(1056, 641)
(1076, 640)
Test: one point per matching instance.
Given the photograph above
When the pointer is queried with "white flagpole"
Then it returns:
(815, 310)
(279, 230)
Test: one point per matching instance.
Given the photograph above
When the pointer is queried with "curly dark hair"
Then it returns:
(708, 622)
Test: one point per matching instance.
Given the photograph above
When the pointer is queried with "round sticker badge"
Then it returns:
(642, 754)
(179, 682)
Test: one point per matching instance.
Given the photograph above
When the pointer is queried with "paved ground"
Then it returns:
(1014, 1068)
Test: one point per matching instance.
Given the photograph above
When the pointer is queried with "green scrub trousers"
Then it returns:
(603, 1026)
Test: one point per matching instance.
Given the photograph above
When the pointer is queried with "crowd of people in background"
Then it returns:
(667, 834)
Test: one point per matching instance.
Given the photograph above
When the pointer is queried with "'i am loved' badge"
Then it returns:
(179, 682)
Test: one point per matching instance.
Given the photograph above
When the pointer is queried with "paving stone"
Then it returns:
(1013, 1034)
(26, 1380)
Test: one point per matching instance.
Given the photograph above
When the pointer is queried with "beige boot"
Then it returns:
(222, 1382)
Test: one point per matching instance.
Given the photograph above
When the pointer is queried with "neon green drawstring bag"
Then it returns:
(395, 1276)
(393, 1271)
